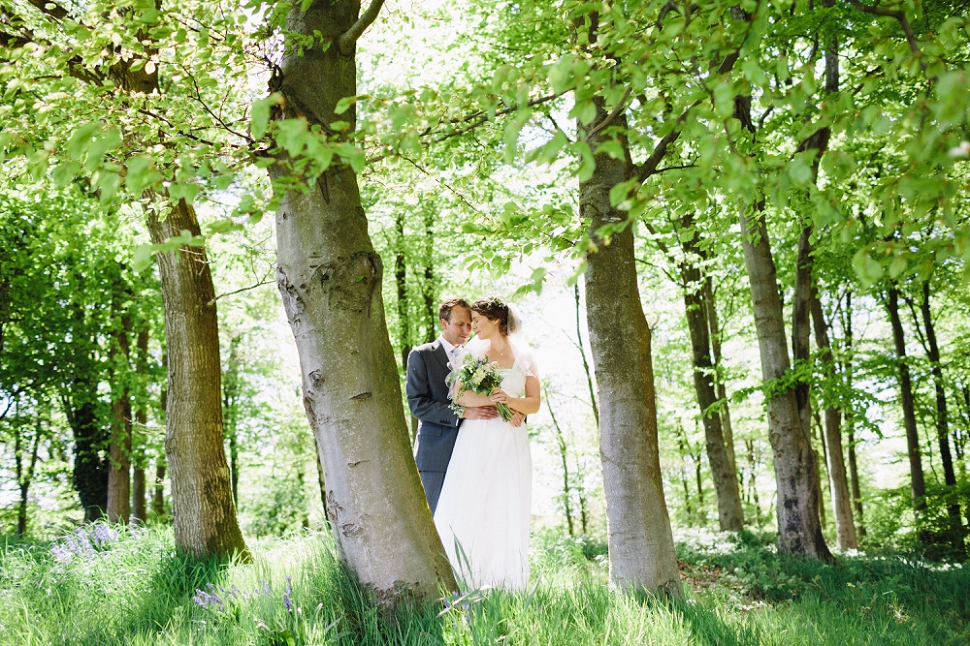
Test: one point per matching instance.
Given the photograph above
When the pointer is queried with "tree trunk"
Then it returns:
(917, 483)
(90, 474)
(24, 479)
(329, 277)
(818, 468)
(801, 322)
(641, 545)
(202, 506)
(430, 308)
(729, 512)
(563, 456)
(710, 308)
(230, 413)
(139, 504)
(838, 482)
(158, 497)
(582, 354)
(119, 471)
(799, 531)
(942, 420)
(850, 418)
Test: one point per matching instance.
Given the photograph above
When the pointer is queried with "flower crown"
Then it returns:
(494, 301)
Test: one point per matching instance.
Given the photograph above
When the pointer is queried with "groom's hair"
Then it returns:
(444, 310)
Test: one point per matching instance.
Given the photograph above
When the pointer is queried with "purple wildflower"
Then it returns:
(62, 553)
(286, 595)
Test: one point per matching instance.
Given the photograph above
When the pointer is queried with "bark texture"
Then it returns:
(799, 529)
(329, 277)
(641, 544)
(202, 505)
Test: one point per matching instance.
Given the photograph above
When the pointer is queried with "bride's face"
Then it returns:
(484, 327)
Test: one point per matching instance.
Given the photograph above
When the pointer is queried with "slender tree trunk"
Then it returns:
(563, 455)
(818, 468)
(139, 503)
(799, 531)
(25, 476)
(838, 482)
(917, 483)
(753, 479)
(942, 419)
(850, 418)
(202, 505)
(430, 307)
(641, 544)
(158, 496)
(321, 482)
(119, 471)
(230, 413)
(710, 308)
(729, 512)
(329, 278)
(582, 355)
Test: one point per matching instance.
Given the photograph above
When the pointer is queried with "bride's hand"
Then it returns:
(499, 396)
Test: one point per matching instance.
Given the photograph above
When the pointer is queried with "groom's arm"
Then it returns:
(417, 386)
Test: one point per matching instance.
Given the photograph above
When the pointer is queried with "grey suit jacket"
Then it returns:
(427, 395)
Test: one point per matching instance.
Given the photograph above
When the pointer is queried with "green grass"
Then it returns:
(138, 590)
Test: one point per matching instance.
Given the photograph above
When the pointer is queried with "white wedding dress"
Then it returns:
(484, 511)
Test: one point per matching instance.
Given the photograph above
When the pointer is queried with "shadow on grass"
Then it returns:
(710, 630)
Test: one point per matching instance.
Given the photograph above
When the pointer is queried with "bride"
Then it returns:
(483, 513)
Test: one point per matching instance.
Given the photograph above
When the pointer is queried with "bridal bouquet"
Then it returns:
(480, 377)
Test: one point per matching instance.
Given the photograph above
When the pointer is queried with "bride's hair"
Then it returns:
(494, 309)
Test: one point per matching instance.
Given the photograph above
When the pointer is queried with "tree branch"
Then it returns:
(348, 39)
(612, 115)
(899, 16)
(51, 9)
(244, 289)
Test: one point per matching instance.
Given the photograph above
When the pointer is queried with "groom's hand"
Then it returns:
(481, 412)
(517, 419)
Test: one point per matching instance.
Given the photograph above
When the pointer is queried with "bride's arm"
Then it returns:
(469, 399)
(527, 405)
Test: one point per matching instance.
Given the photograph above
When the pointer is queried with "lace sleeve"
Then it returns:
(527, 361)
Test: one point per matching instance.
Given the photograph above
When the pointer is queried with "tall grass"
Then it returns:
(134, 588)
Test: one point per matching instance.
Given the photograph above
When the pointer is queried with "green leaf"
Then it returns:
(143, 257)
(107, 140)
(259, 114)
(866, 267)
(78, 143)
(344, 104)
(141, 174)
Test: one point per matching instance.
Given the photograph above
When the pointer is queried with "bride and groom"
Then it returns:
(475, 467)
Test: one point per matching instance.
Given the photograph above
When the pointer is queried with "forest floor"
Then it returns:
(103, 585)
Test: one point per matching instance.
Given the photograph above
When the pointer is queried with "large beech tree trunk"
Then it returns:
(838, 481)
(917, 483)
(202, 505)
(799, 530)
(641, 544)
(729, 512)
(329, 278)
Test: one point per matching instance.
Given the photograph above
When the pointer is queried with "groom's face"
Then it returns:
(458, 328)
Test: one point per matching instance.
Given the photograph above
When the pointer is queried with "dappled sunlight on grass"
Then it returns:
(133, 588)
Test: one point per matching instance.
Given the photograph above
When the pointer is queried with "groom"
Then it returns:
(428, 400)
